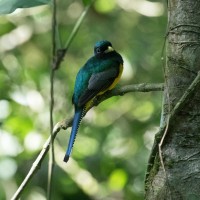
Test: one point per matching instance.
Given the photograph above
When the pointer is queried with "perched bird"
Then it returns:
(99, 74)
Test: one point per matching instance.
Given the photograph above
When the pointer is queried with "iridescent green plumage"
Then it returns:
(100, 74)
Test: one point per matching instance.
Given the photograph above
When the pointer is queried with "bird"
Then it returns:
(98, 75)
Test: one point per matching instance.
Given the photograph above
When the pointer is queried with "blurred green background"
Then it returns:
(113, 144)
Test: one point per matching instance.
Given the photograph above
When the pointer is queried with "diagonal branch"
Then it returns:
(144, 87)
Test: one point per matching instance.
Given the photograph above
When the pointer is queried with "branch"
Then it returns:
(120, 91)
(52, 75)
(35, 166)
(144, 87)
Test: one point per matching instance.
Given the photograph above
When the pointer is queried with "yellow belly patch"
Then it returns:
(117, 79)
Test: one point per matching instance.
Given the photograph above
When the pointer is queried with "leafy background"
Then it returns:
(113, 144)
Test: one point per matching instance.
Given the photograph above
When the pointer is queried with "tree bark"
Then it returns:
(180, 177)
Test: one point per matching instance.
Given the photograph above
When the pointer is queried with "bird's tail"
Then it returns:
(76, 122)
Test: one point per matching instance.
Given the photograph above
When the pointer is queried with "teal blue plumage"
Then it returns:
(100, 74)
(75, 125)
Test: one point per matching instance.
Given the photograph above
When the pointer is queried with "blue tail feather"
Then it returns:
(76, 122)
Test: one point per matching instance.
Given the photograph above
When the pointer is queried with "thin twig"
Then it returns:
(165, 129)
(52, 74)
(77, 26)
(160, 146)
(51, 153)
(168, 100)
(61, 52)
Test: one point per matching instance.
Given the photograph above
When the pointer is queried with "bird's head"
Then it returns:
(102, 47)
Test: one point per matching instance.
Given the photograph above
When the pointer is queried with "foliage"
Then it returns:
(112, 146)
(8, 6)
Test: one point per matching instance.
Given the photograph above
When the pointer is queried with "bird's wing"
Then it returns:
(100, 79)
(98, 82)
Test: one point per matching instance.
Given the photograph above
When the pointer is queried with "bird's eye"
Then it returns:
(98, 50)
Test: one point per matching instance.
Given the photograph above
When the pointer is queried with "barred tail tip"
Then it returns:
(66, 158)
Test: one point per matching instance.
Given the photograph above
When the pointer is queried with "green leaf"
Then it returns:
(8, 6)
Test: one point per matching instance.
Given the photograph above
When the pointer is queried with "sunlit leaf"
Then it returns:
(105, 6)
(118, 179)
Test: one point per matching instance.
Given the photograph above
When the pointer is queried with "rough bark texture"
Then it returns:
(181, 147)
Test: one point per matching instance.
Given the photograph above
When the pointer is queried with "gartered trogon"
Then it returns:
(99, 74)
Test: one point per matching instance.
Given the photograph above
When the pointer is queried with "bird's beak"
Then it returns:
(109, 49)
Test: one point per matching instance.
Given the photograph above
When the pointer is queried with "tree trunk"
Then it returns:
(180, 178)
